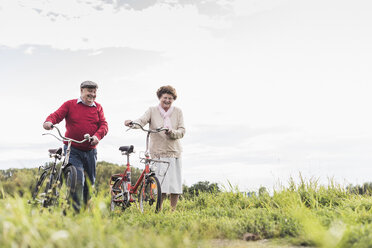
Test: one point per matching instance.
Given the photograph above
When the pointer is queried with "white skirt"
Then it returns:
(170, 177)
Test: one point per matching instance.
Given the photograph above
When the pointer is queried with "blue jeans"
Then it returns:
(85, 164)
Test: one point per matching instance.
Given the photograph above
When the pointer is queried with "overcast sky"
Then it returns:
(269, 88)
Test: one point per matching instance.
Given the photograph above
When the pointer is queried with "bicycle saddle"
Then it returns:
(128, 149)
(55, 151)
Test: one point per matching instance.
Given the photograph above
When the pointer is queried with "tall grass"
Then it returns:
(305, 213)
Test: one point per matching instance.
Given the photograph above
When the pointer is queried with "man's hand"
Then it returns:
(94, 141)
(48, 125)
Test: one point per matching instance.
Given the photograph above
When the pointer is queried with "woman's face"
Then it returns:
(166, 101)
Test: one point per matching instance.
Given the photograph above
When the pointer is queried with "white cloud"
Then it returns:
(76, 25)
(252, 7)
(29, 50)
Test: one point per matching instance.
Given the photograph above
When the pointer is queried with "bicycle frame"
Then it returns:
(123, 177)
(65, 162)
(129, 189)
(66, 154)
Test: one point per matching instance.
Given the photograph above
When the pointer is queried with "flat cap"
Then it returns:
(88, 84)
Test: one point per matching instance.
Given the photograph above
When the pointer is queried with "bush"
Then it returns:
(199, 187)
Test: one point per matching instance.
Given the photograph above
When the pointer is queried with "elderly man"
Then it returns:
(82, 115)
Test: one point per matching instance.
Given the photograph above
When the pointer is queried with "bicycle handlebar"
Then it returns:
(86, 136)
(159, 129)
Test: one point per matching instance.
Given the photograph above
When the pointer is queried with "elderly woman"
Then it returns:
(166, 145)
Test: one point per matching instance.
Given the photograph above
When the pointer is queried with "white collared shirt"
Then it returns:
(81, 100)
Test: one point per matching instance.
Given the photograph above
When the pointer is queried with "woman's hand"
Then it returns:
(128, 123)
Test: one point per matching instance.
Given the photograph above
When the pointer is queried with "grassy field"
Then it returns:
(304, 214)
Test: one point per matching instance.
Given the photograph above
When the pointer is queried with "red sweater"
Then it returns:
(81, 119)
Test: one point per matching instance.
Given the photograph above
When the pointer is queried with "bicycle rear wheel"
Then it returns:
(150, 195)
(117, 194)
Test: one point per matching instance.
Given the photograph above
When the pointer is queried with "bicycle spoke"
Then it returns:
(150, 195)
(67, 187)
(119, 196)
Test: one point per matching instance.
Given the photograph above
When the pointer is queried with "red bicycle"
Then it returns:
(149, 193)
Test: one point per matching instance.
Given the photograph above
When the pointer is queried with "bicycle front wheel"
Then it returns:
(150, 195)
(41, 190)
(67, 186)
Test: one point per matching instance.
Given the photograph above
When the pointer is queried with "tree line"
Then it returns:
(20, 181)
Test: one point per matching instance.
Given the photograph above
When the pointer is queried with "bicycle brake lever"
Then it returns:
(53, 136)
(130, 127)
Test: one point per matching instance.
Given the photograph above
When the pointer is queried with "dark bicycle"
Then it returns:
(57, 180)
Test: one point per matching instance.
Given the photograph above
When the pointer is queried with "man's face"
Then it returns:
(88, 95)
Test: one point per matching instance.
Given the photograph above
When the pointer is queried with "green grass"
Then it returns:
(301, 214)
